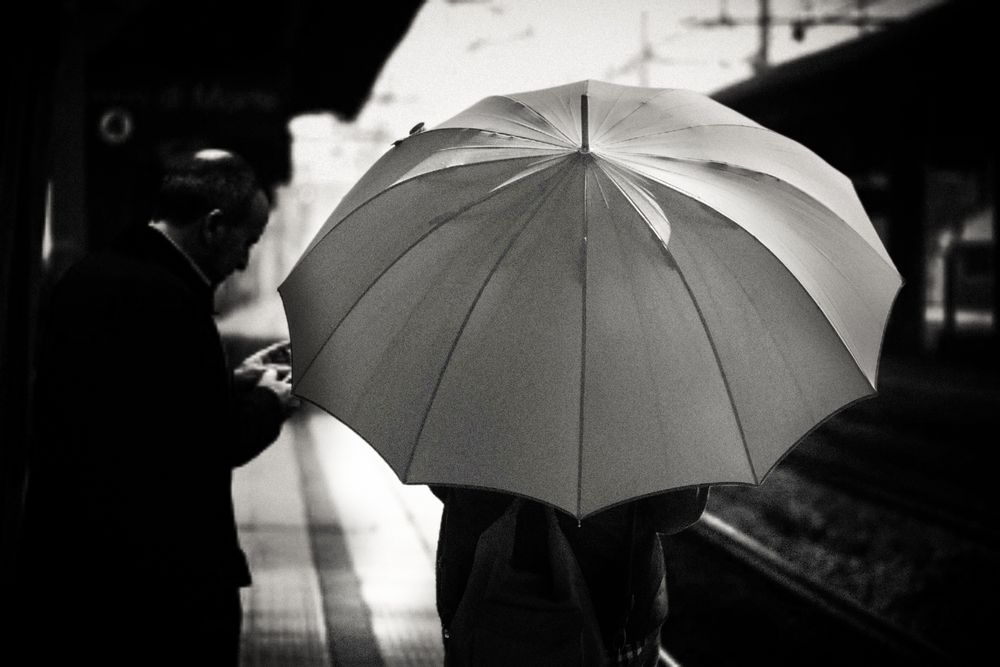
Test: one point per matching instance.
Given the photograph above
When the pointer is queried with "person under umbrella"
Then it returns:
(620, 560)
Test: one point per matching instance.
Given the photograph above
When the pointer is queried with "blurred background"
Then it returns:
(884, 515)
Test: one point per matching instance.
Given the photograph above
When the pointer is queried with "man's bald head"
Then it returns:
(198, 183)
(212, 206)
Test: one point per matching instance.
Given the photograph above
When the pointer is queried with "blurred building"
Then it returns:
(154, 77)
(906, 114)
(327, 157)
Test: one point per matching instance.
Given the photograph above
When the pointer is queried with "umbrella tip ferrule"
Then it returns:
(584, 122)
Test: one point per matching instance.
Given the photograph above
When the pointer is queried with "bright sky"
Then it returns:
(458, 52)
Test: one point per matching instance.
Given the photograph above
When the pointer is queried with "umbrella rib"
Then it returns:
(583, 344)
(599, 131)
(851, 347)
(636, 109)
(468, 315)
(543, 146)
(556, 141)
(722, 373)
(540, 116)
(662, 133)
(749, 173)
(781, 354)
(701, 318)
(403, 254)
(498, 133)
(739, 284)
(604, 195)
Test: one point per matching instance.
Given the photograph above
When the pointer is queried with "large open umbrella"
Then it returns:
(590, 293)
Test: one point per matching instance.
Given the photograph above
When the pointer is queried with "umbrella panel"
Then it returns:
(352, 254)
(507, 412)
(394, 341)
(657, 409)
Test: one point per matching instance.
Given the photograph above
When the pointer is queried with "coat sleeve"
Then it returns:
(255, 422)
(674, 511)
(241, 421)
(175, 397)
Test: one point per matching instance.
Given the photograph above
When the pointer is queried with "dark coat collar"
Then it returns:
(152, 247)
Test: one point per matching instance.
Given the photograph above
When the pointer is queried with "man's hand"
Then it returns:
(282, 388)
(277, 357)
(279, 353)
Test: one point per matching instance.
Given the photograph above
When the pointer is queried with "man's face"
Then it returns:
(232, 252)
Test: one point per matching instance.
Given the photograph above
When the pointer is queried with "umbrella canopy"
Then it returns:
(590, 293)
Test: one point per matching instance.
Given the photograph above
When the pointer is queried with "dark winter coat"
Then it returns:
(139, 428)
(618, 550)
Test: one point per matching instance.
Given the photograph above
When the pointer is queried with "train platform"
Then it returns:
(342, 554)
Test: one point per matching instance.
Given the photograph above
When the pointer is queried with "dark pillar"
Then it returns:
(68, 225)
(993, 183)
(28, 62)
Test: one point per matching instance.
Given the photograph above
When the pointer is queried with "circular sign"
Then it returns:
(116, 126)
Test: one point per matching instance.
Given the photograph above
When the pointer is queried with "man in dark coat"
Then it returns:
(131, 550)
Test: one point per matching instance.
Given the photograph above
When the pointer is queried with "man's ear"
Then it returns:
(210, 226)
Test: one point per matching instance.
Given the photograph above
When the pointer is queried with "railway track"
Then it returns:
(927, 454)
(735, 602)
(933, 479)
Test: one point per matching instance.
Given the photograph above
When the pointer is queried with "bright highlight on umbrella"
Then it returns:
(591, 293)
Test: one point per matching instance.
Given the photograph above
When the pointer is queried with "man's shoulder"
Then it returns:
(122, 269)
